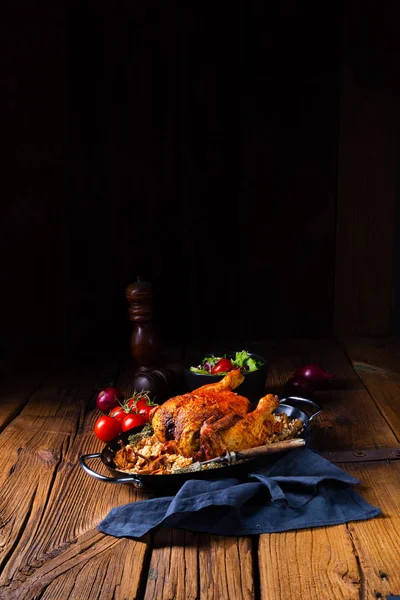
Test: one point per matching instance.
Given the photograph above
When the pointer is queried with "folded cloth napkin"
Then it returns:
(295, 490)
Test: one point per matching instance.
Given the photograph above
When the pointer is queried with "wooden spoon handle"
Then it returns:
(270, 449)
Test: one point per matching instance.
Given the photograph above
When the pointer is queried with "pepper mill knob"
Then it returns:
(145, 344)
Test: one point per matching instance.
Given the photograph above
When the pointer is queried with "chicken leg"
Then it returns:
(237, 432)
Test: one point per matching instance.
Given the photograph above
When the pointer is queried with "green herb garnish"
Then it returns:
(147, 431)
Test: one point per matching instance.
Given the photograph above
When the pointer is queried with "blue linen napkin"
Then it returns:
(295, 490)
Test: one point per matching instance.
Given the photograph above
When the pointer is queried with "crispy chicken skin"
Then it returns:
(213, 419)
(237, 432)
(180, 419)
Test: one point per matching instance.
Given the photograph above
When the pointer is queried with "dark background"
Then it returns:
(244, 160)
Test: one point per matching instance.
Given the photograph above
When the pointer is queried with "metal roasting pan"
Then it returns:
(162, 483)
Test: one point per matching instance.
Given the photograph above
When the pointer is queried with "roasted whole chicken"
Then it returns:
(213, 419)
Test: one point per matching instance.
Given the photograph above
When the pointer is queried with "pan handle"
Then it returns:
(313, 405)
(137, 483)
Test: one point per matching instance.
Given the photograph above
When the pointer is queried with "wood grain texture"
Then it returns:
(377, 363)
(46, 497)
(313, 564)
(350, 418)
(173, 571)
(377, 542)
(95, 567)
(368, 167)
(21, 374)
(226, 568)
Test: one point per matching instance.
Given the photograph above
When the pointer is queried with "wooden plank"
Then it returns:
(311, 563)
(350, 418)
(21, 375)
(366, 455)
(95, 567)
(46, 497)
(173, 569)
(75, 503)
(226, 568)
(186, 565)
(377, 542)
(368, 168)
(377, 363)
(354, 561)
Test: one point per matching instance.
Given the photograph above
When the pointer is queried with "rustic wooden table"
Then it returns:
(49, 508)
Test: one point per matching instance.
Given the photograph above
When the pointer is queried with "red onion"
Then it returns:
(313, 372)
(109, 398)
(299, 386)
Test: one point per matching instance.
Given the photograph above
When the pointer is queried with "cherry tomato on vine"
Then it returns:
(135, 403)
(144, 411)
(223, 366)
(106, 428)
(142, 404)
(132, 420)
(119, 413)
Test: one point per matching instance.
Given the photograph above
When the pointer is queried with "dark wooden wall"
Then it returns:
(34, 174)
(369, 169)
(190, 144)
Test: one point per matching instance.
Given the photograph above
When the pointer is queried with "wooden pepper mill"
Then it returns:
(145, 343)
(152, 375)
